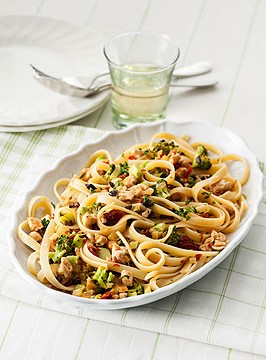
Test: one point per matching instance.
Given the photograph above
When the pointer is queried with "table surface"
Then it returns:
(230, 34)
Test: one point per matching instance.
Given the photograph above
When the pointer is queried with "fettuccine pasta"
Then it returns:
(130, 225)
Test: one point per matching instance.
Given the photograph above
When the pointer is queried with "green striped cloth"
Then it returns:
(226, 307)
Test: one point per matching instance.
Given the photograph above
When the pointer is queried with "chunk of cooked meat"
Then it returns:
(217, 241)
(100, 240)
(36, 236)
(34, 223)
(89, 220)
(130, 181)
(174, 157)
(182, 173)
(127, 277)
(126, 195)
(65, 268)
(221, 187)
(120, 254)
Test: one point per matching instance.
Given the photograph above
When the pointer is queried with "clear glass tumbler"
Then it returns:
(141, 66)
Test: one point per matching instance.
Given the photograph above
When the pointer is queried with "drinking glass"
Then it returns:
(141, 66)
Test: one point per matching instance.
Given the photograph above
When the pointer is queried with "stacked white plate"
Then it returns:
(56, 47)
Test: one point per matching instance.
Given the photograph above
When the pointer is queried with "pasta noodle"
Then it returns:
(131, 225)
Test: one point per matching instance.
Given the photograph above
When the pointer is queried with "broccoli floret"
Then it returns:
(93, 208)
(135, 171)
(55, 256)
(78, 241)
(103, 278)
(63, 246)
(159, 172)
(137, 289)
(73, 259)
(173, 239)
(161, 188)
(64, 243)
(164, 146)
(201, 159)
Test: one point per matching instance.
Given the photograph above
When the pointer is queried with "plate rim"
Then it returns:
(52, 125)
(160, 293)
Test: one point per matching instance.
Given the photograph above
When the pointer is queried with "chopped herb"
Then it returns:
(191, 181)
(45, 222)
(123, 168)
(206, 194)
(112, 169)
(184, 212)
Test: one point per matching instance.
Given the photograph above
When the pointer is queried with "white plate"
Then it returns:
(115, 142)
(56, 47)
(49, 125)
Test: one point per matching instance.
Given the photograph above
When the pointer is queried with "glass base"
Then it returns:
(121, 121)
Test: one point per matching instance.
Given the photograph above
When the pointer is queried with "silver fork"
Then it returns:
(98, 83)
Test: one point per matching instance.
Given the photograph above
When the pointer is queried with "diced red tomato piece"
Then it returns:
(189, 170)
(113, 216)
(186, 243)
(106, 295)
